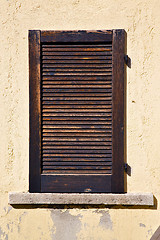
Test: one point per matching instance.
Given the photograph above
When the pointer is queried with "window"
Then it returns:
(77, 111)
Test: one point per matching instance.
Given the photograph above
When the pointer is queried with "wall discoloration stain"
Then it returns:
(142, 225)
(105, 220)
(70, 224)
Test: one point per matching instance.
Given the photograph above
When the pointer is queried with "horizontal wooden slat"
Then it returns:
(52, 94)
(50, 147)
(62, 45)
(59, 130)
(77, 118)
(70, 110)
(74, 83)
(77, 49)
(49, 155)
(77, 159)
(80, 86)
(77, 139)
(79, 113)
(100, 171)
(79, 134)
(76, 102)
(75, 143)
(77, 122)
(76, 99)
(67, 65)
(77, 89)
(71, 53)
(77, 78)
(77, 59)
(75, 151)
(76, 126)
(77, 106)
(77, 70)
(79, 163)
(77, 167)
(74, 73)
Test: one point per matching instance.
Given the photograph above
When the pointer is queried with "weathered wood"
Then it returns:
(35, 112)
(82, 115)
(77, 36)
(118, 119)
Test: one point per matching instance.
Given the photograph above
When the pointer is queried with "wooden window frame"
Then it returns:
(36, 182)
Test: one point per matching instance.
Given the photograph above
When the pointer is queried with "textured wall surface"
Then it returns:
(141, 20)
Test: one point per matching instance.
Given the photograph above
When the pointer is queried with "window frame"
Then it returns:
(36, 184)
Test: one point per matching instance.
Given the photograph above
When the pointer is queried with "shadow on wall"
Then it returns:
(156, 235)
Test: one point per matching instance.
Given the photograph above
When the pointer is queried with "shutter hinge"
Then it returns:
(127, 169)
(127, 61)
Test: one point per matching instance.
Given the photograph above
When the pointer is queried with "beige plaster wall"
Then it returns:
(141, 20)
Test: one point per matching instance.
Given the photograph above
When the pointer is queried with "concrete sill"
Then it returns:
(127, 199)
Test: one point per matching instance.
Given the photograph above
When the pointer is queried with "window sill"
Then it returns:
(127, 199)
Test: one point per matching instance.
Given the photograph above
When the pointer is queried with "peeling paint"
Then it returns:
(142, 225)
(105, 220)
(70, 224)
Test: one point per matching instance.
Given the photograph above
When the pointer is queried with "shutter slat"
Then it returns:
(77, 59)
(54, 147)
(76, 49)
(76, 159)
(95, 66)
(71, 53)
(76, 45)
(77, 171)
(83, 139)
(74, 143)
(78, 163)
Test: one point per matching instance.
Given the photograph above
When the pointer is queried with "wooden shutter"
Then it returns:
(76, 111)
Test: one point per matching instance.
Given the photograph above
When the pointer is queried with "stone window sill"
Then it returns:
(127, 199)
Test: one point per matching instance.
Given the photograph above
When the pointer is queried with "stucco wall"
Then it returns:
(141, 20)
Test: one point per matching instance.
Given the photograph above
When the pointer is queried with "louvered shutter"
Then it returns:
(76, 111)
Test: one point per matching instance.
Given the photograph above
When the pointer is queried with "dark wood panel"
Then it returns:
(77, 36)
(35, 112)
(118, 111)
(76, 183)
